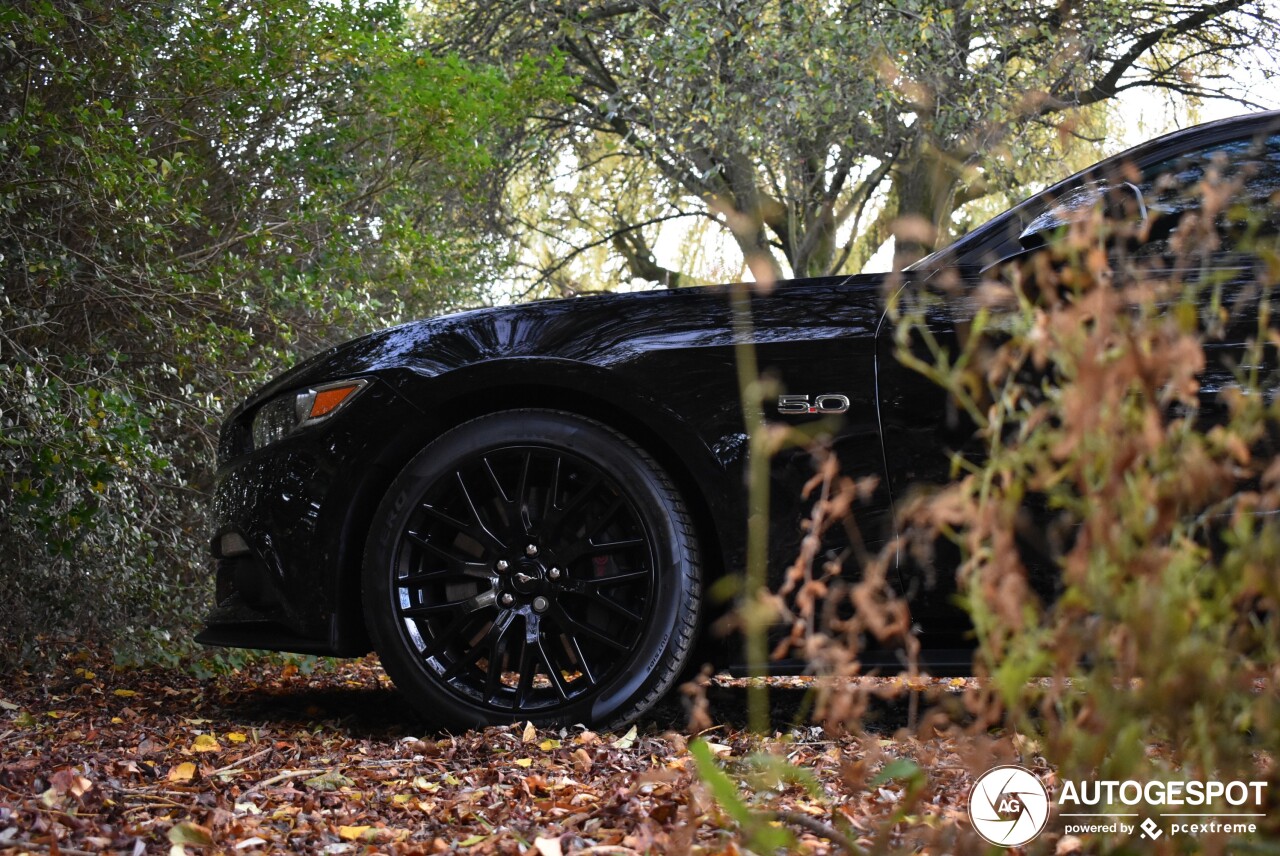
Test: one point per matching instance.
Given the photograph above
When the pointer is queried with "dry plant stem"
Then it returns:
(37, 845)
(755, 617)
(246, 759)
(817, 827)
(287, 774)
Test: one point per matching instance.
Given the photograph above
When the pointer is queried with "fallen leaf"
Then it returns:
(357, 833)
(255, 841)
(186, 833)
(206, 743)
(183, 772)
(125, 693)
(472, 841)
(548, 745)
(524, 762)
(547, 846)
(236, 737)
(530, 733)
(627, 740)
(330, 781)
(67, 782)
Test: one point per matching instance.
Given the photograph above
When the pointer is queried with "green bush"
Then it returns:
(192, 195)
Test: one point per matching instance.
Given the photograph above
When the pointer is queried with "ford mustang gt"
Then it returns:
(521, 508)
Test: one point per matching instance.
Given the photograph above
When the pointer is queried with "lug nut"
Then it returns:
(531, 550)
(554, 573)
(540, 604)
(507, 599)
(502, 565)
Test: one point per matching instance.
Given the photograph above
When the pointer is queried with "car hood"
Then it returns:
(597, 328)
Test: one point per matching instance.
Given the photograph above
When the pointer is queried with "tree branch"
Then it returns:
(1108, 86)
(612, 237)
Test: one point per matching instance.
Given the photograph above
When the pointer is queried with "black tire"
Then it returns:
(532, 565)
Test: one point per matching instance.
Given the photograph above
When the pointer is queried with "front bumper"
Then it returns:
(298, 511)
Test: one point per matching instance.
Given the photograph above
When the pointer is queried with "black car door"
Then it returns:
(815, 343)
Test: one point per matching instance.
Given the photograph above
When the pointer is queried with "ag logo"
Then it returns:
(1008, 806)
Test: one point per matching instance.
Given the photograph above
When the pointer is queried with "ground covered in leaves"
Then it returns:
(269, 759)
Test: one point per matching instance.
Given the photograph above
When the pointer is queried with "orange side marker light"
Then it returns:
(327, 401)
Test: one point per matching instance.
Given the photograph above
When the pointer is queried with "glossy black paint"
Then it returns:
(657, 366)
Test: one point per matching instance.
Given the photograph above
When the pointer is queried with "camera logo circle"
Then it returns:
(1008, 806)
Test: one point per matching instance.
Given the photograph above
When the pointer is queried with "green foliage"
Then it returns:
(759, 834)
(192, 194)
(803, 130)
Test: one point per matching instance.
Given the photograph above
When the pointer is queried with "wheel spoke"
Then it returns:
(549, 506)
(603, 519)
(589, 590)
(493, 480)
(585, 547)
(528, 669)
(613, 606)
(582, 664)
(573, 627)
(492, 637)
(553, 671)
(619, 579)
(468, 606)
(591, 587)
(462, 566)
(478, 527)
(444, 637)
(443, 516)
(493, 676)
(522, 496)
(426, 577)
(551, 526)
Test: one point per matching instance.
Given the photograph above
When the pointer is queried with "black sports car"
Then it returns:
(521, 508)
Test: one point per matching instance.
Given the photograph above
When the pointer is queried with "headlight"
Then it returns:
(283, 415)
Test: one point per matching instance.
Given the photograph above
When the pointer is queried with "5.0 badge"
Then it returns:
(830, 402)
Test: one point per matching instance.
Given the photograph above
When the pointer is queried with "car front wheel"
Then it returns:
(532, 565)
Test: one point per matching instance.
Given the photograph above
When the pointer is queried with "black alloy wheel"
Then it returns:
(532, 565)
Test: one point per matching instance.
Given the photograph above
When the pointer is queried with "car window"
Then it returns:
(1250, 170)
(1258, 165)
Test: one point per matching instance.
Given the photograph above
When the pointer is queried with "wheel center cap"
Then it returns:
(528, 578)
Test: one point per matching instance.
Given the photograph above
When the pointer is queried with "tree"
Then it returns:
(192, 194)
(807, 129)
